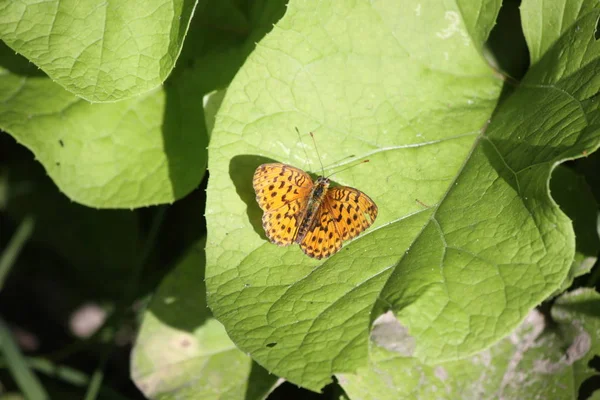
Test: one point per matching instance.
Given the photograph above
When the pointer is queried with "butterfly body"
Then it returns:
(315, 200)
(312, 214)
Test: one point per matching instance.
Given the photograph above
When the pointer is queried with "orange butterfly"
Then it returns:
(298, 210)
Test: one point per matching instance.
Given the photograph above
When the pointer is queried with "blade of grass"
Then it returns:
(128, 297)
(65, 374)
(10, 254)
(28, 383)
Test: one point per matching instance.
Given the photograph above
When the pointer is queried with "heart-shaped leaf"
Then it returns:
(467, 239)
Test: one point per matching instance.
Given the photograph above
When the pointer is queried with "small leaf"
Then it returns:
(545, 22)
(181, 351)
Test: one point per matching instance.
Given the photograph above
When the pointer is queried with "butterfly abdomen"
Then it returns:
(314, 202)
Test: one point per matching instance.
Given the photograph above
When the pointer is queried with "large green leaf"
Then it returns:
(99, 50)
(142, 151)
(499, 242)
(372, 80)
(146, 150)
(538, 360)
(182, 352)
(467, 240)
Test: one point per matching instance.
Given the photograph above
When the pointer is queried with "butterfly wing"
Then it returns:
(282, 192)
(352, 210)
(322, 239)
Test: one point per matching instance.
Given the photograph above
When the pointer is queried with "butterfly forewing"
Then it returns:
(282, 192)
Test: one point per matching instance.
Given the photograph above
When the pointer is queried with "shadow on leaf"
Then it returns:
(17, 64)
(180, 301)
(512, 150)
(241, 171)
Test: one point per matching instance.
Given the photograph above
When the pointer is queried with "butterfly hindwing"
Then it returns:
(282, 192)
(322, 239)
(352, 210)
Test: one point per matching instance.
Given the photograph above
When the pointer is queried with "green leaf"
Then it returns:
(544, 22)
(182, 352)
(407, 98)
(537, 360)
(575, 198)
(99, 50)
(497, 235)
(467, 239)
(147, 150)
(143, 151)
(212, 103)
(138, 152)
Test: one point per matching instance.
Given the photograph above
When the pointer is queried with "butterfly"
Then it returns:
(312, 214)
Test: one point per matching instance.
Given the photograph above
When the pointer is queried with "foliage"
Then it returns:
(478, 279)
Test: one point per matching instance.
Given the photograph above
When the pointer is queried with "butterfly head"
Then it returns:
(321, 180)
(321, 185)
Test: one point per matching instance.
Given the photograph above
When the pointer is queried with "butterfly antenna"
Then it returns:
(348, 167)
(303, 148)
(318, 155)
(340, 161)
